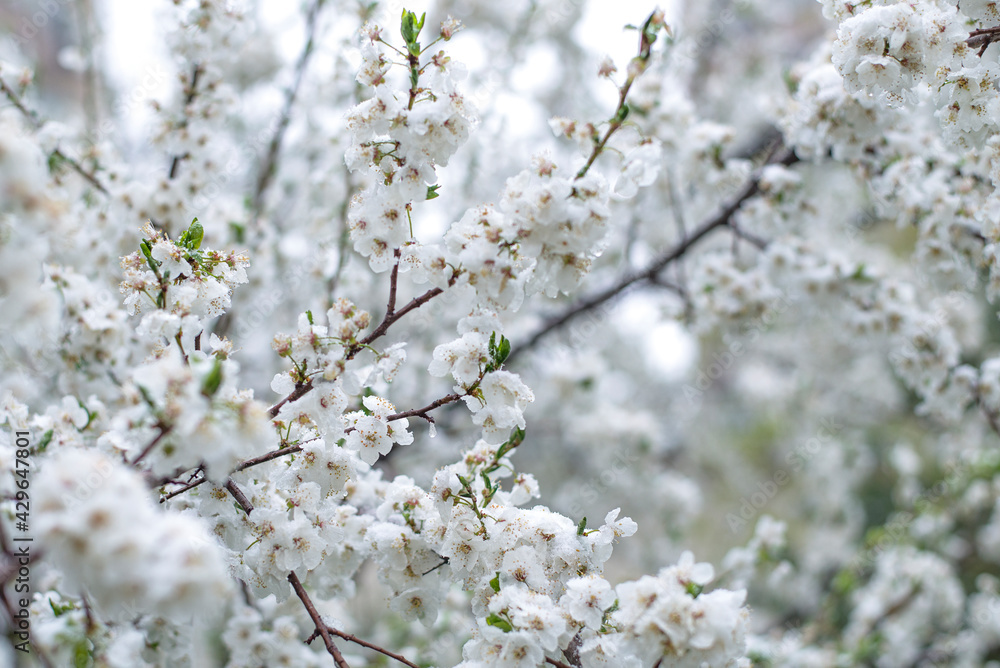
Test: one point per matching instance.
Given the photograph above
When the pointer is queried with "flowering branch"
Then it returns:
(32, 117)
(637, 66)
(721, 219)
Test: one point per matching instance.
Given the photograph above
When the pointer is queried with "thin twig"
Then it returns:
(391, 318)
(178, 492)
(188, 99)
(300, 391)
(321, 626)
(152, 444)
(288, 450)
(739, 232)
(422, 412)
(364, 643)
(270, 165)
(618, 118)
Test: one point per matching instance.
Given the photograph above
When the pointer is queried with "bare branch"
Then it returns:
(149, 448)
(321, 626)
(364, 643)
(983, 38)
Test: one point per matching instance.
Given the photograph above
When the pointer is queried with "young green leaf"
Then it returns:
(496, 620)
(210, 385)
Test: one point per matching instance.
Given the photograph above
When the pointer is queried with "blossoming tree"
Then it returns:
(273, 380)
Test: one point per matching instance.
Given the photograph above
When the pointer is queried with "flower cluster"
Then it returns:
(400, 139)
(182, 283)
(88, 509)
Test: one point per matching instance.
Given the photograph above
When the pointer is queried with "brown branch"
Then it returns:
(721, 219)
(393, 285)
(557, 663)
(300, 391)
(983, 38)
(321, 626)
(242, 466)
(149, 448)
(740, 233)
(186, 487)
(391, 318)
(422, 412)
(364, 643)
(32, 117)
(289, 450)
(192, 91)
(240, 497)
(269, 168)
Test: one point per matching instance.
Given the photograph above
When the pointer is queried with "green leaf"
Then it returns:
(694, 589)
(210, 385)
(192, 238)
(46, 439)
(239, 232)
(61, 609)
(81, 655)
(410, 28)
(55, 161)
(432, 191)
(859, 274)
(622, 113)
(309, 315)
(147, 251)
(581, 527)
(504, 350)
(496, 620)
(495, 582)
